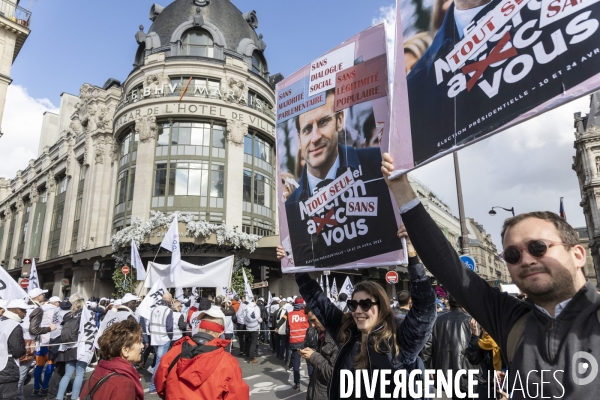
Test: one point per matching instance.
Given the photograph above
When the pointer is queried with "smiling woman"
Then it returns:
(369, 336)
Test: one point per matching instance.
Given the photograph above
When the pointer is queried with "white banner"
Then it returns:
(136, 262)
(171, 243)
(216, 274)
(347, 287)
(87, 335)
(155, 294)
(34, 282)
(9, 288)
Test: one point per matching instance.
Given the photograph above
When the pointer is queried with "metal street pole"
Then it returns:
(94, 285)
(464, 233)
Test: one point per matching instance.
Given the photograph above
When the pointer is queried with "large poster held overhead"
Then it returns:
(335, 210)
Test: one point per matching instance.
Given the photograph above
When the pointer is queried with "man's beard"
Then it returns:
(560, 287)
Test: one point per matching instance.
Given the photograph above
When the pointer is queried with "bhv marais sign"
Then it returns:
(193, 109)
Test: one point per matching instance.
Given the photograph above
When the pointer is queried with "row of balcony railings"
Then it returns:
(15, 13)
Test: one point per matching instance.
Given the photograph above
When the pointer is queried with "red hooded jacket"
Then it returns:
(125, 386)
(213, 375)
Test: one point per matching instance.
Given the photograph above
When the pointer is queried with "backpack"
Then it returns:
(517, 333)
(70, 330)
(90, 395)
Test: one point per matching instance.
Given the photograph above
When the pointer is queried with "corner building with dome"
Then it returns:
(191, 130)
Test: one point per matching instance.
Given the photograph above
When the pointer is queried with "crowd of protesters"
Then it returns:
(471, 326)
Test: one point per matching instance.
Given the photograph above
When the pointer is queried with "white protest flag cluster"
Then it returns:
(34, 282)
(347, 287)
(136, 262)
(171, 243)
(87, 336)
(155, 294)
(327, 284)
(9, 288)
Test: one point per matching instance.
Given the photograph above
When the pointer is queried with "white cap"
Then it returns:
(214, 312)
(36, 292)
(2, 304)
(129, 297)
(289, 299)
(275, 299)
(54, 299)
(261, 299)
(117, 302)
(112, 301)
(19, 303)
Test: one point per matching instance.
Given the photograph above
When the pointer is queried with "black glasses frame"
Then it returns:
(365, 304)
(536, 248)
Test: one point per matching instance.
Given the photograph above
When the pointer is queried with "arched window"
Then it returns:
(258, 63)
(197, 42)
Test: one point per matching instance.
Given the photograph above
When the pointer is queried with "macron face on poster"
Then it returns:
(495, 65)
(335, 210)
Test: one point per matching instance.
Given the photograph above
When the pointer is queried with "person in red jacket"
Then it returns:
(199, 367)
(121, 348)
(297, 326)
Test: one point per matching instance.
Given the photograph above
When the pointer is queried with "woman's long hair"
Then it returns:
(77, 303)
(384, 338)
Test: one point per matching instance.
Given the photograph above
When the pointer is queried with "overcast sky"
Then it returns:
(74, 42)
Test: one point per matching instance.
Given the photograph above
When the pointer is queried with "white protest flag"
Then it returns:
(321, 282)
(216, 274)
(247, 288)
(269, 299)
(179, 293)
(9, 288)
(87, 334)
(171, 243)
(347, 287)
(327, 285)
(136, 262)
(334, 291)
(155, 294)
(34, 282)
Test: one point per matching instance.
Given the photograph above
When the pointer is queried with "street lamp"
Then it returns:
(96, 268)
(512, 210)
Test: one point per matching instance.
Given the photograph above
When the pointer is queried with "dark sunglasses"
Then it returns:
(365, 304)
(536, 248)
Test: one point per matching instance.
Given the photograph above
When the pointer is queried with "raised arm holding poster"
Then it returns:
(335, 210)
(492, 65)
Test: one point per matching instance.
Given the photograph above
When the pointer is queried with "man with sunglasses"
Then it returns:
(560, 314)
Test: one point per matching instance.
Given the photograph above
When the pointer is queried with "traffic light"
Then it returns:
(264, 273)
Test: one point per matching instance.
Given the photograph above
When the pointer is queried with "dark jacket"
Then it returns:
(16, 348)
(70, 329)
(145, 336)
(482, 358)
(411, 334)
(548, 344)
(322, 360)
(35, 320)
(311, 249)
(450, 338)
(182, 325)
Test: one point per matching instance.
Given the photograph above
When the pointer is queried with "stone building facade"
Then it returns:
(586, 165)
(191, 130)
(14, 21)
(490, 266)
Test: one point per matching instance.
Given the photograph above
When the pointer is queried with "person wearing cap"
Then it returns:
(264, 325)
(124, 309)
(12, 347)
(179, 323)
(241, 317)
(199, 367)
(161, 332)
(253, 320)
(41, 324)
(272, 309)
(230, 320)
(297, 325)
(290, 304)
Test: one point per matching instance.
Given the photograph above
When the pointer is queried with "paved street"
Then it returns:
(267, 380)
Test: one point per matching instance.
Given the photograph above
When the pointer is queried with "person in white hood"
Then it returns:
(253, 320)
